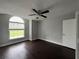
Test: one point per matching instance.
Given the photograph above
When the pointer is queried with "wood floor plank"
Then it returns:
(38, 49)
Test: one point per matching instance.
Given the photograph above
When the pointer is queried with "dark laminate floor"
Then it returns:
(36, 50)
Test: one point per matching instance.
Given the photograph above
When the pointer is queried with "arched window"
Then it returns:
(16, 27)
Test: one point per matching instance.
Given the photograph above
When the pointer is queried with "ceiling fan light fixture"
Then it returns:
(40, 13)
(37, 17)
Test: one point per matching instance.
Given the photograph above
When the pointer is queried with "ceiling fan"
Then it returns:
(40, 13)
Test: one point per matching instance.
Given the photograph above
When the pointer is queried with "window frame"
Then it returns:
(16, 29)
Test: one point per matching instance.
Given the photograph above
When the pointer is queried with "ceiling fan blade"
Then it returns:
(43, 16)
(47, 11)
(35, 10)
(32, 14)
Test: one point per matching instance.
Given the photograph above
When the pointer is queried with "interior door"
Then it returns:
(69, 33)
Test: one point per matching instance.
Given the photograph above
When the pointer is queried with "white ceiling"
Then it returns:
(23, 7)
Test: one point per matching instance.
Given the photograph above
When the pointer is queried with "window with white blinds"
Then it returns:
(16, 27)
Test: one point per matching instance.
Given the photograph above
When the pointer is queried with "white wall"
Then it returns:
(34, 29)
(77, 41)
(50, 28)
(4, 33)
(69, 33)
(4, 28)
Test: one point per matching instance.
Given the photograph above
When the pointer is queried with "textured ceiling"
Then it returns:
(23, 7)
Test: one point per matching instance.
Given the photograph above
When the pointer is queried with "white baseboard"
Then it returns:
(9, 43)
(58, 43)
(43, 39)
